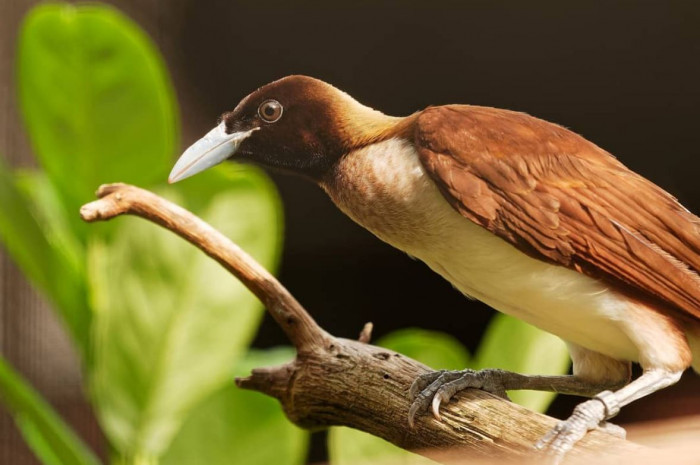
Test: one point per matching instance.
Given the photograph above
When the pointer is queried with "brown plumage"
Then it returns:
(558, 197)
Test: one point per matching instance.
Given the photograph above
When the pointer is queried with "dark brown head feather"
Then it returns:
(319, 125)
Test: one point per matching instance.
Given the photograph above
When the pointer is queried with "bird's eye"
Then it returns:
(270, 110)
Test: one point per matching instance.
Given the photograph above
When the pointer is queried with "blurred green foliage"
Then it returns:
(268, 440)
(160, 327)
(513, 345)
(47, 435)
(158, 324)
(96, 99)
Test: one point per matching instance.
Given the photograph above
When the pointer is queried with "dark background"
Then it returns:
(623, 74)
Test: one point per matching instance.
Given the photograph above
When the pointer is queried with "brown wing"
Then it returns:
(556, 196)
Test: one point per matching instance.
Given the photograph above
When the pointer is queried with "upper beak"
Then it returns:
(215, 147)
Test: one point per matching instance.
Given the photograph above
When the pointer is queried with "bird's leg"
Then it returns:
(592, 413)
(439, 386)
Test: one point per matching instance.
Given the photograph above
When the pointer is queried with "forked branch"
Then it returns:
(336, 381)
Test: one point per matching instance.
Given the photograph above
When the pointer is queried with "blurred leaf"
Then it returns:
(513, 345)
(53, 442)
(170, 322)
(96, 99)
(51, 215)
(437, 350)
(51, 265)
(241, 427)
(347, 446)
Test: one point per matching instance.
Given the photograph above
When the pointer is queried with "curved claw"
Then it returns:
(412, 414)
(436, 407)
(431, 390)
(423, 391)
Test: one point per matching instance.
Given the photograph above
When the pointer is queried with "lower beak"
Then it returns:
(215, 147)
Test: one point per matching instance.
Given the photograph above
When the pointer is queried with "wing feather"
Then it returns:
(558, 197)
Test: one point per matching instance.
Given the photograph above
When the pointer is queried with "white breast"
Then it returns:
(386, 190)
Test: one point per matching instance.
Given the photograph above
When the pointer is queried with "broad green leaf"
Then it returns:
(169, 321)
(511, 344)
(96, 100)
(53, 442)
(241, 427)
(52, 265)
(437, 350)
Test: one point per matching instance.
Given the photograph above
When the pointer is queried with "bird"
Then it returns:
(517, 212)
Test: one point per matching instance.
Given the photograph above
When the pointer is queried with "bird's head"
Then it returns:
(297, 124)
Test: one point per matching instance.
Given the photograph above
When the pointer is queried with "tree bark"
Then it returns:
(336, 381)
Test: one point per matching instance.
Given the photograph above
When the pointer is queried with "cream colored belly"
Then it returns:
(386, 190)
(574, 307)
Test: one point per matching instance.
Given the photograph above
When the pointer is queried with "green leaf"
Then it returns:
(53, 442)
(513, 345)
(52, 217)
(437, 350)
(241, 427)
(170, 322)
(347, 446)
(96, 99)
(53, 267)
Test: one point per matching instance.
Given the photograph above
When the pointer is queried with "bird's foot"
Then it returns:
(612, 429)
(434, 388)
(587, 416)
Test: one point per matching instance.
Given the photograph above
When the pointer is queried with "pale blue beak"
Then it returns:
(215, 147)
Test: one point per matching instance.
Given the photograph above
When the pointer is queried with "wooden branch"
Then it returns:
(335, 381)
(119, 199)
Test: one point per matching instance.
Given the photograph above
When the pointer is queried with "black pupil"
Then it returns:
(269, 110)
